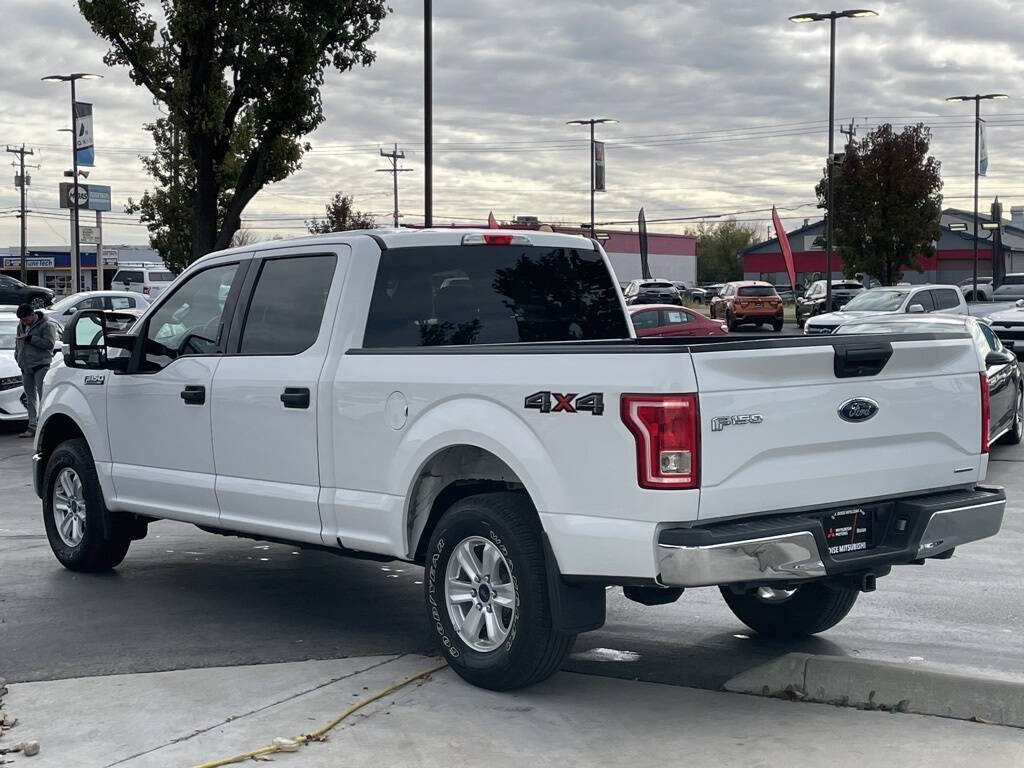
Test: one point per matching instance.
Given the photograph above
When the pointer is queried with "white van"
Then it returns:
(142, 277)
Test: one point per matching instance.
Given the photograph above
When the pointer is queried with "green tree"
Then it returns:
(888, 200)
(340, 216)
(240, 81)
(718, 247)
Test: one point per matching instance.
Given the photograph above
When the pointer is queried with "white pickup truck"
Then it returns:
(477, 402)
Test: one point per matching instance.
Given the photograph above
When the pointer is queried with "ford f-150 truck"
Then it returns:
(477, 402)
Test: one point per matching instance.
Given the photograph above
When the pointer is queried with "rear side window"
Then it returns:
(674, 317)
(160, 277)
(491, 294)
(756, 290)
(647, 319)
(125, 276)
(287, 305)
(122, 302)
(945, 298)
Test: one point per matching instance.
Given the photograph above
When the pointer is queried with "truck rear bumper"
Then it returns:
(793, 547)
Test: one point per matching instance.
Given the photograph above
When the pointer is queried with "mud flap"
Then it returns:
(575, 608)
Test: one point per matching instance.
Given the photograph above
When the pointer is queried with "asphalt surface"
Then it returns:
(184, 598)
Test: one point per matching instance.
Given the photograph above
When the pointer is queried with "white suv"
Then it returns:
(148, 279)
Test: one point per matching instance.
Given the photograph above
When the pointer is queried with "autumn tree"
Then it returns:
(340, 216)
(888, 203)
(718, 247)
(240, 84)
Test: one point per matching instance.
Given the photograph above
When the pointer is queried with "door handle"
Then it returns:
(194, 394)
(295, 397)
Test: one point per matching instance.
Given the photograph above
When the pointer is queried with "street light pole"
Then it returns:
(592, 122)
(831, 16)
(428, 116)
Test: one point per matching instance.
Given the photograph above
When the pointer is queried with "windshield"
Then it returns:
(756, 290)
(67, 302)
(877, 301)
(8, 331)
(885, 326)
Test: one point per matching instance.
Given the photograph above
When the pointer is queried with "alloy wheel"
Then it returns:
(480, 594)
(69, 507)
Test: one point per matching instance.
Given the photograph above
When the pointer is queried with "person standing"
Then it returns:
(33, 351)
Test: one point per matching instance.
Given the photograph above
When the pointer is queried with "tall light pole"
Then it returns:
(428, 115)
(977, 99)
(592, 121)
(831, 16)
(76, 263)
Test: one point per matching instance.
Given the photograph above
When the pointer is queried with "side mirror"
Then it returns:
(1019, 303)
(997, 358)
(69, 312)
(915, 309)
(90, 333)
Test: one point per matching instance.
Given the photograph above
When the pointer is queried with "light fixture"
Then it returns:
(957, 226)
(990, 225)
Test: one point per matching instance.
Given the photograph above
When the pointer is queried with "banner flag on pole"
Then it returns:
(645, 267)
(83, 133)
(787, 253)
(492, 223)
(983, 152)
(599, 166)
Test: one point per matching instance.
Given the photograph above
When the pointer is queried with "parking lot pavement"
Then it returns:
(186, 599)
(193, 716)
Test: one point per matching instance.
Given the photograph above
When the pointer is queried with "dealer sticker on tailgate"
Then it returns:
(847, 531)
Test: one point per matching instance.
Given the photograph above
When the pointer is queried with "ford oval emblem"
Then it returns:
(858, 409)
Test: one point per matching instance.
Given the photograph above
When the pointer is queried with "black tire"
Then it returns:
(777, 326)
(1016, 433)
(95, 552)
(730, 322)
(533, 651)
(711, 311)
(813, 608)
(37, 302)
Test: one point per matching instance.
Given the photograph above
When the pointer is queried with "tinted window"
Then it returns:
(645, 319)
(125, 276)
(674, 317)
(190, 321)
(945, 298)
(512, 294)
(160, 277)
(924, 298)
(287, 306)
(1012, 280)
(756, 290)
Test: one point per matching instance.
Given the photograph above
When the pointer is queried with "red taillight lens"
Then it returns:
(145, 289)
(498, 239)
(665, 430)
(984, 411)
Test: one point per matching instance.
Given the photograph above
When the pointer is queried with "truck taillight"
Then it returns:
(146, 289)
(984, 411)
(665, 430)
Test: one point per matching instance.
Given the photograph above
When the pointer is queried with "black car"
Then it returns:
(652, 292)
(813, 301)
(16, 292)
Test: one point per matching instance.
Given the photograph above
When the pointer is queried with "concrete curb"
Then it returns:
(883, 685)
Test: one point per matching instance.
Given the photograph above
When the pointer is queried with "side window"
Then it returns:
(190, 321)
(92, 302)
(945, 299)
(990, 337)
(674, 317)
(924, 298)
(645, 319)
(287, 305)
(122, 302)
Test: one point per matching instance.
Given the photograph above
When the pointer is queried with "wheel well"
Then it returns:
(448, 476)
(56, 430)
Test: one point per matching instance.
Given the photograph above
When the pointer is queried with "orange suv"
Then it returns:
(748, 301)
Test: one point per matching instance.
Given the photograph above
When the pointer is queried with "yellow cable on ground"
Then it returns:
(290, 745)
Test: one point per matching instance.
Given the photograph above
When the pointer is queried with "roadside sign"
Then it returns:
(88, 234)
(91, 197)
(110, 256)
(32, 262)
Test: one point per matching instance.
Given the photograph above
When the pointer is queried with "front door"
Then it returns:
(158, 414)
(265, 397)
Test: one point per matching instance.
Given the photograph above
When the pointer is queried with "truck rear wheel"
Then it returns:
(793, 613)
(78, 525)
(487, 594)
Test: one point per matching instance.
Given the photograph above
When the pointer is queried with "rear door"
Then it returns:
(772, 437)
(265, 395)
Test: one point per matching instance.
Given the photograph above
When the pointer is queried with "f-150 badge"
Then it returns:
(721, 422)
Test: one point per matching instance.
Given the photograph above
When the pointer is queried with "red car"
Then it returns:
(670, 320)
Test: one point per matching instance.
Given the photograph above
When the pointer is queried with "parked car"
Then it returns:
(912, 299)
(512, 436)
(64, 309)
(15, 292)
(1008, 324)
(711, 290)
(984, 288)
(1005, 391)
(1011, 289)
(12, 404)
(813, 302)
(147, 279)
(652, 292)
(748, 301)
(669, 320)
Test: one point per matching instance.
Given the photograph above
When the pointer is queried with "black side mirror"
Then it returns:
(998, 358)
(90, 333)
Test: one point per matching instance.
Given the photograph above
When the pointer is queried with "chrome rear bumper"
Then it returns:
(793, 547)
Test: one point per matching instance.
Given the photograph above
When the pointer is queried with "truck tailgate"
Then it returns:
(772, 437)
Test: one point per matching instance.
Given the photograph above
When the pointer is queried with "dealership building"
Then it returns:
(951, 262)
(50, 266)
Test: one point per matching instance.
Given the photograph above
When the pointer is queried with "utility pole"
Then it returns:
(850, 133)
(22, 181)
(428, 115)
(394, 170)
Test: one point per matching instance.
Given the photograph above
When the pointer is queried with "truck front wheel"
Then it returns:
(78, 525)
(487, 594)
(792, 613)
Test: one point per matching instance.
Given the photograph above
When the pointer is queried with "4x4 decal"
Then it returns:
(555, 402)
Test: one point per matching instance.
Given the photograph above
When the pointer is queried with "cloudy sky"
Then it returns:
(723, 108)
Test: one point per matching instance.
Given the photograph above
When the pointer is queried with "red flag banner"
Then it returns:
(492, 223)
(787, 253)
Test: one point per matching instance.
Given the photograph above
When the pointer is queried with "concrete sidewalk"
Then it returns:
(167, 719)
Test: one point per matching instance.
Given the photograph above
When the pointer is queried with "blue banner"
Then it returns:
(83, 134)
